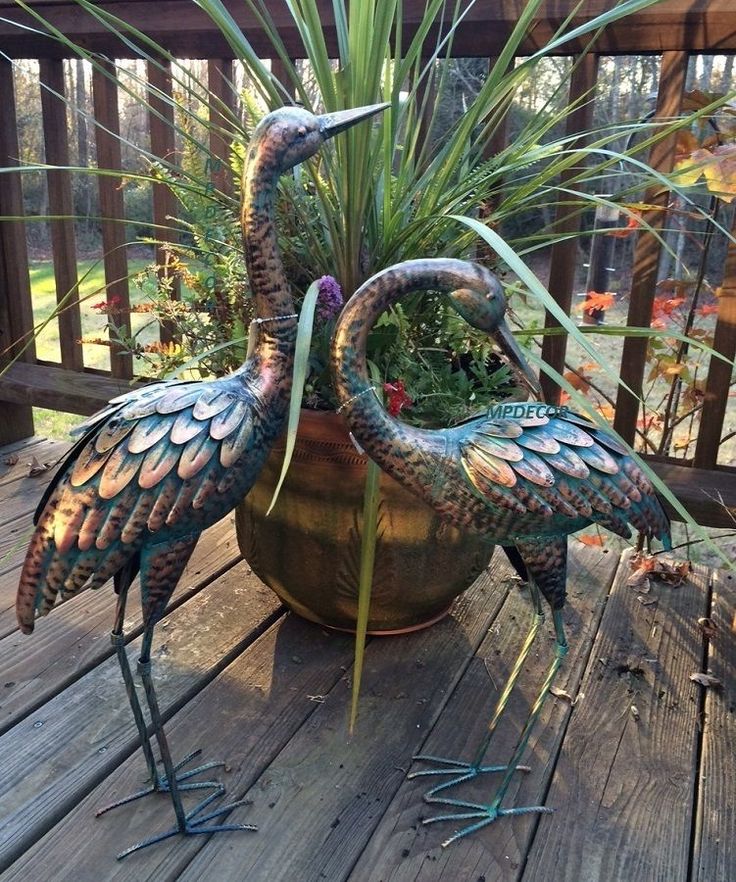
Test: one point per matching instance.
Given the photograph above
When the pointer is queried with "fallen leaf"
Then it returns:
(11, 459)
(591, 539)
(560, 693)
(705, 680)
(708, 626)
(644, 567)
(37, 468)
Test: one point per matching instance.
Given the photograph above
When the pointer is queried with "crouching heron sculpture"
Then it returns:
(524, 482)
(160, 464)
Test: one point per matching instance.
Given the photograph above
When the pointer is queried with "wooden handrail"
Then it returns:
(186, 31)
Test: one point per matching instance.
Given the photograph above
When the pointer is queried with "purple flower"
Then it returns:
(329, 299)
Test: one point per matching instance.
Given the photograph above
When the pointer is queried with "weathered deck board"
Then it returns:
(714, 854)
(326, 788)
(402, 850)
(16, 459)
(246, 716)
(54, 757)
(623, 787)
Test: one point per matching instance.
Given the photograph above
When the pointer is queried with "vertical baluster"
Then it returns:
(219, 79)
(719, 372)
(279, 71)
(564, 258)
(648, 249)
(161, 126)
(16, 309)
(112, 208)
(63, 241)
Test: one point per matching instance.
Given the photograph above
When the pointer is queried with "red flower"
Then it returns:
(397, 397)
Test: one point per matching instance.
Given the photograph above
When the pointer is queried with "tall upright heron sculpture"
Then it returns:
(160, 464)
(524, 482)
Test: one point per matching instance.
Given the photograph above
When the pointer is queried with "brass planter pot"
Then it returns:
(308, 549)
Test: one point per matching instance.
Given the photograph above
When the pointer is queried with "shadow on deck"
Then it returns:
(635, 758)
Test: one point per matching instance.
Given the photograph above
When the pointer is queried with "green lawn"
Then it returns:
(91, 291)
(53, 424)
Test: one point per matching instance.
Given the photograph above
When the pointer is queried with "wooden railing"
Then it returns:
(674, 28)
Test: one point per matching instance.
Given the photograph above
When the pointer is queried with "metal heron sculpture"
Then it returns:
(162, 463)
(525, 483)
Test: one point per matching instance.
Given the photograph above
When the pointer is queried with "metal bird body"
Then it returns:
(526, 481)
(154, 470)
(161, 463)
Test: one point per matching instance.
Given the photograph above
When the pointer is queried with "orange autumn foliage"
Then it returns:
(596, 300)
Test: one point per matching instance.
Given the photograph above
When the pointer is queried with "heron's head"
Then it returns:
(293, 134)
(484, 308)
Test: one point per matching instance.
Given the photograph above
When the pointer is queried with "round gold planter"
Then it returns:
(308, 549)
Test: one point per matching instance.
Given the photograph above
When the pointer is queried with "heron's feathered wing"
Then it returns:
(562, 469)
(157, 466)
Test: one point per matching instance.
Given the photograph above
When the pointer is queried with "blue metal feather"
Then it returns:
(186, 427)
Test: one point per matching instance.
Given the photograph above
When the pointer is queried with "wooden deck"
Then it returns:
(640, 772)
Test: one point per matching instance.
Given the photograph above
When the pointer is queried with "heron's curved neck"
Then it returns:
(262, 257)
(383, 437)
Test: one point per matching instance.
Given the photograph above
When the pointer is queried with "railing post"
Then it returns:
(112, 207)
(647, 250)
(55, 135)
(719, 372)
(219, 78)
(564, 254)
(161, 126)
(16, 309)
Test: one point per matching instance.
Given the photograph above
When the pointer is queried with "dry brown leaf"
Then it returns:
(645, 567)
(560, 693)
(705, 680)
(592, 539)
(37, 468)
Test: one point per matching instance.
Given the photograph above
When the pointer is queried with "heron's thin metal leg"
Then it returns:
(189, 822)
(158, 783)
(489, 813)
(464, 771)
(117, 638)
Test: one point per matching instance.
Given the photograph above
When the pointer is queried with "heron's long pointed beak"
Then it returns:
(510, 348)
(332, 124)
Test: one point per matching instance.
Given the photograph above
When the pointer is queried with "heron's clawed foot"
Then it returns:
(482, 815)
(160, 784)
(461, 771)
(195, 823)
